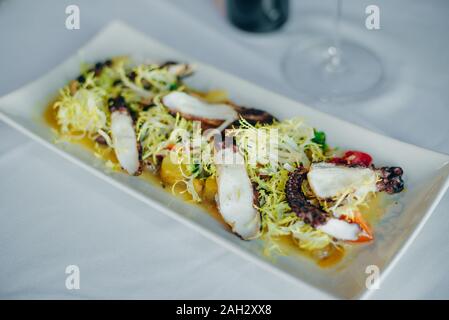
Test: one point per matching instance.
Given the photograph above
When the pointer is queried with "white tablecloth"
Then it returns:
(53, 214)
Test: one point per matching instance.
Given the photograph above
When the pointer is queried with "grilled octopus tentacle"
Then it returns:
(127, 149)
(253, 115)
(297, 201)
(181, 70)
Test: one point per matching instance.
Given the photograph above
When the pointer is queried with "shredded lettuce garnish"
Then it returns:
(154, 128)
(83, 113)
(149, 80)
(158, 78)
(82, 107)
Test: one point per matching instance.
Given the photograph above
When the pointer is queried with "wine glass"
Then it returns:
(332, 71)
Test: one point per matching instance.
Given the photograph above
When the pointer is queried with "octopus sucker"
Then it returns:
(124, 140)
(235, 197)
(390, 179)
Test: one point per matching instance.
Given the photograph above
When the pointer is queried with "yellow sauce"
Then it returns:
(375, 208)
(334, 255)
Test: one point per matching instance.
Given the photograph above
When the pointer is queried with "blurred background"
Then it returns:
(408, 101)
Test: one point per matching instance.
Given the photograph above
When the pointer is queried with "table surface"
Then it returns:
(54, 214)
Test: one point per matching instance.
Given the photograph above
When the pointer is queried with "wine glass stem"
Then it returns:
(335, 50)
(337, 22)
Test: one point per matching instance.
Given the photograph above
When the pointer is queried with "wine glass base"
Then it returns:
(309, 70)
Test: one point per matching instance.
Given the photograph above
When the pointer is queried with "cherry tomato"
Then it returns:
(352, 157)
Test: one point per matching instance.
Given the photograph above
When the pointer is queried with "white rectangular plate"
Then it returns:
(426, 172)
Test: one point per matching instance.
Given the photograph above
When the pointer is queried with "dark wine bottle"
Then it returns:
(257, 15)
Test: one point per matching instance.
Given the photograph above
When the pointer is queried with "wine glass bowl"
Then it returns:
(326, 72)
(333, 70)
